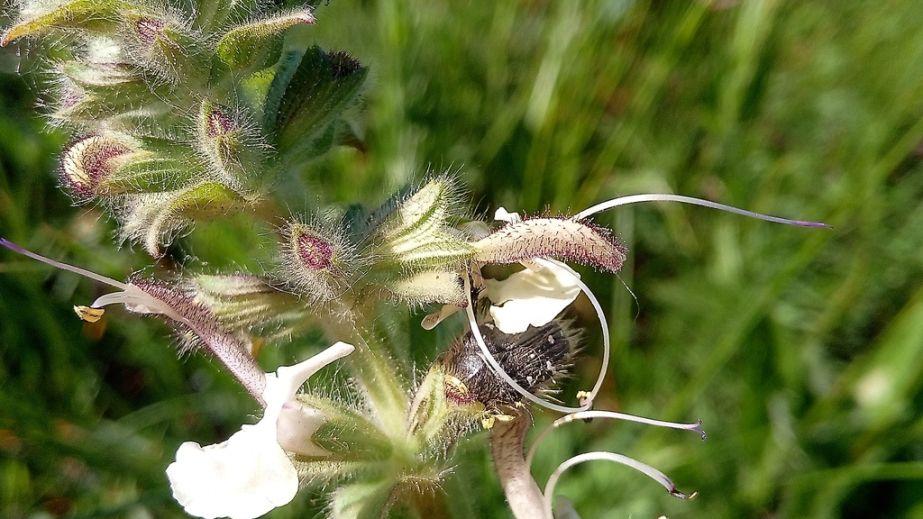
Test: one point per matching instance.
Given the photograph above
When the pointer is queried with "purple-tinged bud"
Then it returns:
(218, 123)
(317, 262)
(229, 142)
(87, 164)
(149, 29)
(315, 252)
(559, 238)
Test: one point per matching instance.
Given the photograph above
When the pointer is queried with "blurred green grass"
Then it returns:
(801, 350)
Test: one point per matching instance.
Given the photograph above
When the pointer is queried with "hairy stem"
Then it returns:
(506, 446)
(373, 368)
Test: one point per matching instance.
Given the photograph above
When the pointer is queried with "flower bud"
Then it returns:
(230, 145)
(560, 238)
(250, 305)
(430, 286)
(163, 45)
(89, 162)
(317, 262)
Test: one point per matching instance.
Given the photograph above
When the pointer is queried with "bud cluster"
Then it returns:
(168, 130)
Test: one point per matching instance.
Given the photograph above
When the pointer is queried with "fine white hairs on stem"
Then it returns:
(647, 470)
(658, 197)
(587, 400)
(609, 415)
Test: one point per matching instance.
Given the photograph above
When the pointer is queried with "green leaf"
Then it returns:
(308, 93)
(258, 44)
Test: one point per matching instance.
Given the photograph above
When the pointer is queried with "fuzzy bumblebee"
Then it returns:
(537, 359)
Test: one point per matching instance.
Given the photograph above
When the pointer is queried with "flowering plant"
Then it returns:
(182, 115)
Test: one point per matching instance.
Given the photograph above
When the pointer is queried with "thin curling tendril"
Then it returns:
(657, 197)
(644, 468)
(609, 415)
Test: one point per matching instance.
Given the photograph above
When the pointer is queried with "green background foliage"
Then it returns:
(801, 350)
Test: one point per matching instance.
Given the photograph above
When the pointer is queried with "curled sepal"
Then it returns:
(251, 305)
(306, 96)
(316, 260)
(88, 164)
(258, 44)
(559, 238)
(88, 15)
(153, 219)
(415, 234)
(429, 286)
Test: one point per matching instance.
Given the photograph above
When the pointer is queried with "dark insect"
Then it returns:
(535, 359)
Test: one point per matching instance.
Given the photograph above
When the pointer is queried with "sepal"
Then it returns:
(251, 305)
(87, 15)
(258, 44)
(415, 235)
(153, 219)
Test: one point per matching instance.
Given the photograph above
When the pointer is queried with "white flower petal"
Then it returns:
(242, 478)
(531, 297)
(250, 474)
(296, 425)
(502, 215)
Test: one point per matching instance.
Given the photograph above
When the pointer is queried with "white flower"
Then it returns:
(250, 473)
(533, 296)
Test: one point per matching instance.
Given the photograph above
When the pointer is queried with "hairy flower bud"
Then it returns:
(165, 46)
(230, 145)
(251, 305)
(430, 286)
(89, 163)
(415, 234)
(560, 238)
(317, 261)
